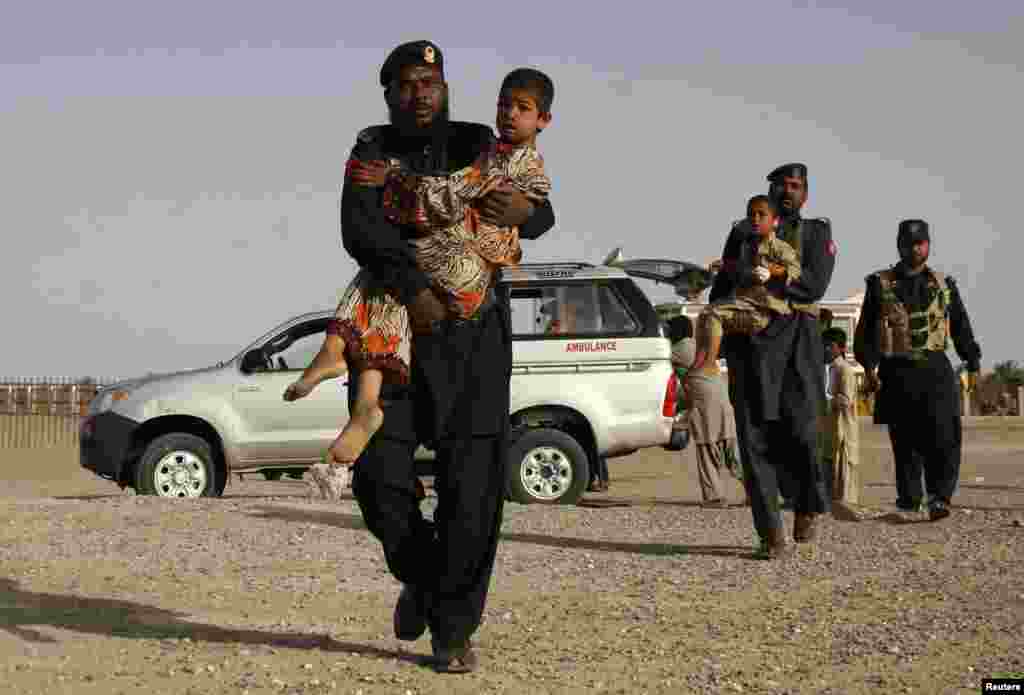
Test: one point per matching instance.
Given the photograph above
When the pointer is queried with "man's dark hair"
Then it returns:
(835, 336)
(761, 198)
(534, 81)
(679, 327)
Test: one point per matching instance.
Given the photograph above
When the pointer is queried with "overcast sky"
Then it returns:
(170, 171)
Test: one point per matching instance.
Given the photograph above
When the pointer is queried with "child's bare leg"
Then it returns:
(329, 363)
(364, 420)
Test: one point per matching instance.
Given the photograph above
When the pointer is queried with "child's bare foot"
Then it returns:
(304, 385)
(298, 389)
(364, 422)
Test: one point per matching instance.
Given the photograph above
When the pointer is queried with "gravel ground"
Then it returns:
(264, 591)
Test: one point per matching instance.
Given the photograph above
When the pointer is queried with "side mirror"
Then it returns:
(254, 361)
(614, 258)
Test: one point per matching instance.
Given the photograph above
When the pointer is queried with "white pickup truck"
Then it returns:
(591, 378)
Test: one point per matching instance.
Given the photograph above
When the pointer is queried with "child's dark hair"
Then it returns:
(763, 199)
(536, 82)
(836, 336)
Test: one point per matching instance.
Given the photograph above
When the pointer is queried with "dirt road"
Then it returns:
(265, 592)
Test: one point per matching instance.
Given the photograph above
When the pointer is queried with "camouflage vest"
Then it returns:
(903, 333)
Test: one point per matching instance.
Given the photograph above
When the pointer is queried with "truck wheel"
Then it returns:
(177, 465)
(547, 466)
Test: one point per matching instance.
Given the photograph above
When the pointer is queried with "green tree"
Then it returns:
(1008, 373)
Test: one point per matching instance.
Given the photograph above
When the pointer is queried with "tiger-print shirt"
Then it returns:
(453, 246)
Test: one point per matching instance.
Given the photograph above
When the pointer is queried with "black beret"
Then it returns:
(412, 53)
(911, 232)
(794, 169)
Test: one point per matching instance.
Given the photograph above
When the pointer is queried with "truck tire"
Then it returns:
(177, 465)
(546, 466)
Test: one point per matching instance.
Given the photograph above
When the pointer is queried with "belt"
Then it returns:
(915, 357)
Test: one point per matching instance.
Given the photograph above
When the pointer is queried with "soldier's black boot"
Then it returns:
(938, 509)
(453, 659)
(910, 505)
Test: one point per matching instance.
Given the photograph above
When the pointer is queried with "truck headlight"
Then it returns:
(106, 399)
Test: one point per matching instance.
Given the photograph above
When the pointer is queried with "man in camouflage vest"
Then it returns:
(909, 314)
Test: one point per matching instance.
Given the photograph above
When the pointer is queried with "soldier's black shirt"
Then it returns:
(913, 291)
(381, 246)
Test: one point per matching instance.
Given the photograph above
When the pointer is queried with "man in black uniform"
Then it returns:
(909, 313)
(457, 400)
(776, 379)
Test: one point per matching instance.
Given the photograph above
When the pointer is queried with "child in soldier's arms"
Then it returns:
(458, 250)
(765, 266)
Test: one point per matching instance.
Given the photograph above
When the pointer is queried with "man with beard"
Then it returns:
(909, 313)
(457, 398)
(775, 376)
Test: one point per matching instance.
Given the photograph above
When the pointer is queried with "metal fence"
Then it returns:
(40, 412)
(38, 431)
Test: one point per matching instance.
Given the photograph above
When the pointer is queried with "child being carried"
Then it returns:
(454, 247)
(766, 265)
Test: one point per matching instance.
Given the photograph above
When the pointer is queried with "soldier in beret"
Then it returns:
(910, 312)
(775, 377)
(457, 398)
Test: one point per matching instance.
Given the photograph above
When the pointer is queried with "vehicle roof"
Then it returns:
(527, 272)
